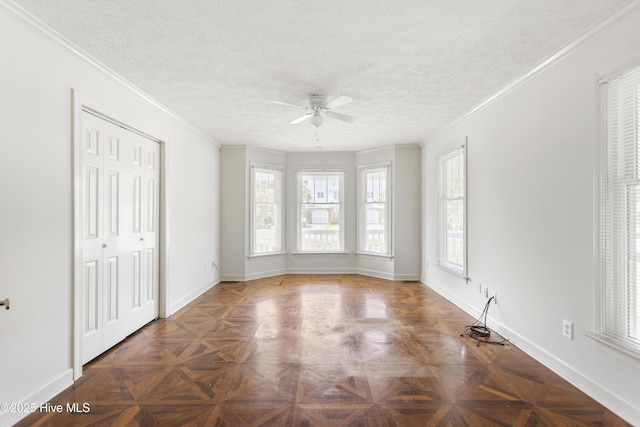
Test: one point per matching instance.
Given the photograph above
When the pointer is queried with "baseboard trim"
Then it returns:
(411, 277)
(264, 274)
(280, 272)
(233, 278)
(375, 273)
(182, 302)
(624, 409)
(321, 271)
(40, 397)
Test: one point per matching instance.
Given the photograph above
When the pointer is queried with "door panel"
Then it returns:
(119, 200)
(137, 204)
(91, 217)
(115, 323)
(112, 203)
(91, 308)
(92, 203)
(152, 175)
(112, 271)
(137, 279)
(150, 263)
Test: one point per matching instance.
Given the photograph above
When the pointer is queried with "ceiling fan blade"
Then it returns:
(343, 117)
(288, 104)
(339, 101)
(301, 118)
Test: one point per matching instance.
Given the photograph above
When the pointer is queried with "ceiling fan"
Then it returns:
(319, 108)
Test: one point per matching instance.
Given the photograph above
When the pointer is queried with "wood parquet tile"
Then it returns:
(306, 350)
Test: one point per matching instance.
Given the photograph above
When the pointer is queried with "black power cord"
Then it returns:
(479, 330)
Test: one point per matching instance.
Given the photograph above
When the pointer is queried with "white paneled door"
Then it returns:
(120, 204)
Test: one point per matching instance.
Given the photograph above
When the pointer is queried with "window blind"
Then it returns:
(619, 221)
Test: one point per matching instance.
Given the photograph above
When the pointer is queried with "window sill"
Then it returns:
(265, 255)
(627, 351)
(321, 253)
(450, 269)
(374, 255)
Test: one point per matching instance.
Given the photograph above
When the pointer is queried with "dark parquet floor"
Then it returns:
(307, 350)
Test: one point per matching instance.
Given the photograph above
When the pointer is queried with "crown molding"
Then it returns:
(554, 59)
(34, 24)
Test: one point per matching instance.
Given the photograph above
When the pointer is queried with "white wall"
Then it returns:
(407, 212)
(36, 196)
(235, 233)
(233, 211)
(531, 216)
(194, 215)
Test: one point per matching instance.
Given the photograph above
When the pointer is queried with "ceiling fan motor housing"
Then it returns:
(317, 102)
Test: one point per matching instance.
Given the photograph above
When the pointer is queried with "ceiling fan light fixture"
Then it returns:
(316, 120)
(318, 108)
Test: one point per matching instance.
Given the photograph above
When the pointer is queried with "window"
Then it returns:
(320, 218)
(374, 210)
(452, 206)
(619, 211)
(266, 210)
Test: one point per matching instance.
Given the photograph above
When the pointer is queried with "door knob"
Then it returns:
(5, 302)
(141, 239)
(105, 245)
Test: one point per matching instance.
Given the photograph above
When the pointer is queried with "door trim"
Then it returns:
(81, 103)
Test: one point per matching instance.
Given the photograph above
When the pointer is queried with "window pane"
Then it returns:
(320, 213)
(266, 221)
(320, 188)
(454, 177)
(375, 231)
(265, 228)
(320, 228)
(375, 186)
(454, 232)
(265, 190)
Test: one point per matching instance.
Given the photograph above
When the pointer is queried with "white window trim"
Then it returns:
(601, 182)
(361, 232)
(319, 171)
(441, 261)
(280, 206)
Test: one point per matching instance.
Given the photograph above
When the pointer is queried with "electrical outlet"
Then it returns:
(567, 329)
(485, 292)
(480, 288)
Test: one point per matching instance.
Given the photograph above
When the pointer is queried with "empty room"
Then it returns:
(320, 214)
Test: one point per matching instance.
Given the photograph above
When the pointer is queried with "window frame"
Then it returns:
(614, 293)
(362, 209)
(279, 208)
(340, 173)
(441, 259)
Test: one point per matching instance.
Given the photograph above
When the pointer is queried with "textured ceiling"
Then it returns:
(412, 67)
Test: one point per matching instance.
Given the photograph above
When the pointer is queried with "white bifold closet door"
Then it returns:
(120, 204)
